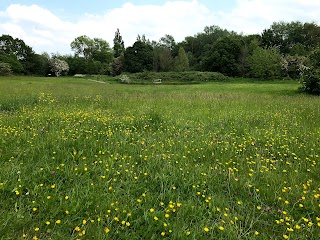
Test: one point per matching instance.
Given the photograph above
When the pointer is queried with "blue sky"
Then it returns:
(51, 25)
(69, 9)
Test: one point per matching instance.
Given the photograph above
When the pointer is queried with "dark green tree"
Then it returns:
(117, 65)
(19, 55)
(118, 44)
(139, 57)
(265, 63)
(162, 51)
(181, 61)
(224, 56)
(198, 47)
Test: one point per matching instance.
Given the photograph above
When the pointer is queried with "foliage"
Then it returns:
(96, 49)
(163, 60)
(77, 65)
(168, 42)
(291, 37)
(177, 77)
(117, 65)
(14, 63)
(198, 46)
(181, 63)
(224, 56)
(139, 57)
(293, 66)
(5, 69)
(19, 55)
(314, 58)
(16, 46)
(265, 63)
(311, 81)
(124, 78)
(118, 45)
(58, 67)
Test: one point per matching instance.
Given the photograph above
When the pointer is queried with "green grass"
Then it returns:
(223, 160)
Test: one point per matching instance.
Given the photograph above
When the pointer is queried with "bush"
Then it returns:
(5, 69)
(265, 63)
(177, 77)
(124, 78)
(293, 66)
(311, 81)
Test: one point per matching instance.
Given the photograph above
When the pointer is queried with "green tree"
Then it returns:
(198, 47)
(101, 51)
(5, 69)
(14, 63)
(311, 81)
(118, 44)
(265, 63)
(162, 51)
(82, 46)
(117, 65)
(15, 52)
(167, 41)
(224, 56)
(139, 57)
(181, 61)
(292, 38)
(96, 49)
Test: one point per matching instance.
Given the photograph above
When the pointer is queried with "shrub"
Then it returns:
(58, 66)
(311, 81)
(124, 78)
(5, 69)
(265, 63)
(178, 77)
(293, 66)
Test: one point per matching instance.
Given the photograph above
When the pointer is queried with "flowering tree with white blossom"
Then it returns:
(58, 66)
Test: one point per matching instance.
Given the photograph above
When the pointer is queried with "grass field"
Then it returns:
(224, 160)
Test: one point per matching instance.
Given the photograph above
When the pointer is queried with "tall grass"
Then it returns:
(85, 160)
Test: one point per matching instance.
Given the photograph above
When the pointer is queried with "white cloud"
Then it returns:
(252, 16)
(45, 31)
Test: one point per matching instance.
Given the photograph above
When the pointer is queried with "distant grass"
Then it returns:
(223, 160)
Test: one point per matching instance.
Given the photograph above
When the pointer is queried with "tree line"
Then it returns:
(283, 50)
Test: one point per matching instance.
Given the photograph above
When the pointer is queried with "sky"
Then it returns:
(51, 25)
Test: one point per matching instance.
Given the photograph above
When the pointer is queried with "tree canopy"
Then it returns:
(281, 50)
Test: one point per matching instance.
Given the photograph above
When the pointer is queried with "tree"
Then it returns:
(139, 57)
(167, 41)
(265, 63)
(311, 81)
(58, 67)
(15, 46)
(101, 51)
(293, 66)
(292, 37)
(198, 47)
(15, 65)
(118, 44)
(117, 65)
(5, 69)
(82, 46)
(224, 56)
(182, 61)
(162, 54)
(15, 52)
(96, 53)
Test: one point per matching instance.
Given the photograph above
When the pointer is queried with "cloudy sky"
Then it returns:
(51, 25)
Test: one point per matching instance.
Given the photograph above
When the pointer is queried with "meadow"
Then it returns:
(223, 160)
